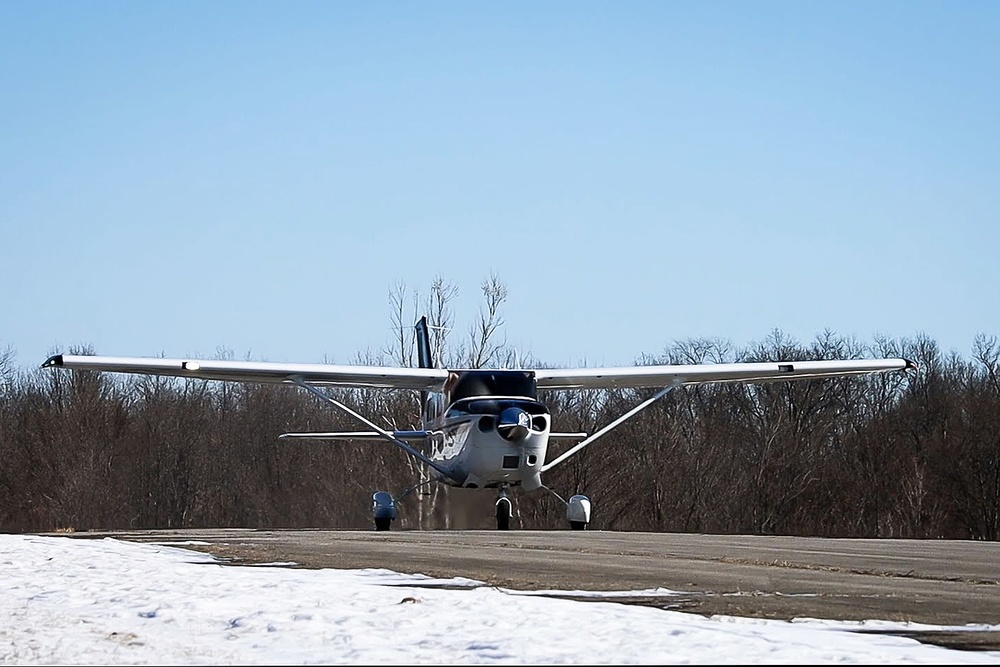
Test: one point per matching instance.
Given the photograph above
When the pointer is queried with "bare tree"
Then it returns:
(973, 444)
(401, 350)
(7, 370)
(440, 318)
(483, 347)
(986, 350)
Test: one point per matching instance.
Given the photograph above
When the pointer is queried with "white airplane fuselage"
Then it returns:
(472, 449)
(485, 439)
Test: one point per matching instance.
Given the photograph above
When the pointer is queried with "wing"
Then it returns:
(387, 377)
(358, 435)
(663, 376)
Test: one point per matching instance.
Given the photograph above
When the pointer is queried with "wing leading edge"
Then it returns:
(424, 379)
(663, 376)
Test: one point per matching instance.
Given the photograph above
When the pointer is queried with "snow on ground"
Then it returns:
(80, 601)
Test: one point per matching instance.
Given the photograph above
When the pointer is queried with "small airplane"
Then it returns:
(481, 428)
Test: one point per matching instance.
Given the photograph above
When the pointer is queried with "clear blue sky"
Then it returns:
(180, 177)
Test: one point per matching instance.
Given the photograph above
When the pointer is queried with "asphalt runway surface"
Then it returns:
(936, 582)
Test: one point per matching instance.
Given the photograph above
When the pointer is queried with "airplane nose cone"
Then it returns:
(514, 424)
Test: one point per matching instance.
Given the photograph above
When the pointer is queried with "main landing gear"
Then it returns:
(578, 512)
(577, 509)
(384, 509)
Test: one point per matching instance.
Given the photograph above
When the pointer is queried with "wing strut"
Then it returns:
(297, 379)
(631, 413)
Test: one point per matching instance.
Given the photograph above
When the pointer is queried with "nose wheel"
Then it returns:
(504, 509)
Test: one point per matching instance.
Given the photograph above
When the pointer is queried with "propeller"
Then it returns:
(514, 424)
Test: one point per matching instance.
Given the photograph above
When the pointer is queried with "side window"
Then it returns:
(434, 406)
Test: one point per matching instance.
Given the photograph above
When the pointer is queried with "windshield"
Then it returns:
(494, 406)
(472, 384)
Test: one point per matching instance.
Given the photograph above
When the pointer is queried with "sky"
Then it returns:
(110, 602)
(255, 178)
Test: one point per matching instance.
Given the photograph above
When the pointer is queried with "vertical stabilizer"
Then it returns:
(425, 360)
(423, 344)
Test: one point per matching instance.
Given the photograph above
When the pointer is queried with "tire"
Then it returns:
(578, 525)
(382, 524)
(503, 514)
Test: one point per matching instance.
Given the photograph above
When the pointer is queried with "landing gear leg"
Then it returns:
(504, 508)
(383, 509)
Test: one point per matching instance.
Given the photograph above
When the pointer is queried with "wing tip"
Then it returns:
(54, 360)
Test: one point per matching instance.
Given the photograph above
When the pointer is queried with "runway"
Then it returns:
(938, 582)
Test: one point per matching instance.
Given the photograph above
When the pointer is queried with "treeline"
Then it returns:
(898, 455)
(914, 454)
